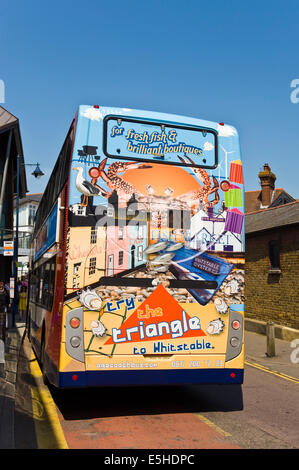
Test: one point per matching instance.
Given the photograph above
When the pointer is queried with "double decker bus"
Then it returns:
(137, 269)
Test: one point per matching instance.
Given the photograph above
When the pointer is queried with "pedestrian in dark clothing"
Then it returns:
(4, 305)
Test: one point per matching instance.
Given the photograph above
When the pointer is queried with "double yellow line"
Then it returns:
(273, 372)
(212, 425)
(49, 433)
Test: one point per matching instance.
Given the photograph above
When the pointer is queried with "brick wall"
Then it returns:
(273, 296)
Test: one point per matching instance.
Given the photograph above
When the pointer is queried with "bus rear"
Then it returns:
(154, 260)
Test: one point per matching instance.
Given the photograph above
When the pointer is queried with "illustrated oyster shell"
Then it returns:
(234, 286)
(175, 246)
(155, 247)
(220, 305)
(90, 299)
(160, 268)
(215, 327)
(165, 258)
(97, 328)
(227, 290)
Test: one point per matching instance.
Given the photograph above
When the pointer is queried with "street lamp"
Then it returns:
(37, 173)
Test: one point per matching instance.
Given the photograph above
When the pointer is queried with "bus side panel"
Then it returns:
(54, 333)
(54, 318)
(46, 324)
(48, 248)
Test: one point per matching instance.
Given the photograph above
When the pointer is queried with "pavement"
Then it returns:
(284, 364)
(8, 373)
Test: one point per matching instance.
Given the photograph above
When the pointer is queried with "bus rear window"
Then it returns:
(131, 139)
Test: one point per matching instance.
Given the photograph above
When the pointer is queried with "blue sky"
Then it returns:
(229, 61)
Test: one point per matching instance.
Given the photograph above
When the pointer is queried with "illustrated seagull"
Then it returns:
(86, 187)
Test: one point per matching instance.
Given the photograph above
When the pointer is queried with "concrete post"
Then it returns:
(270, 330)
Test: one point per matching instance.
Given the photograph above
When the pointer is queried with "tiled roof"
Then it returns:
(253, 199)
(6, 118)
(36, 197)
(273, 217)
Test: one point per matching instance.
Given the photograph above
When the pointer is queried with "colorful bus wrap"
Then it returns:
(148, 258)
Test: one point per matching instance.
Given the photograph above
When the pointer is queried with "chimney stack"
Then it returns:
(268, 185)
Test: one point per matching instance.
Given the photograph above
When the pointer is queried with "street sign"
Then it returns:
(51, 252)
(8, 248)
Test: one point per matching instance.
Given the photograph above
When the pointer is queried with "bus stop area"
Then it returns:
(27, 412)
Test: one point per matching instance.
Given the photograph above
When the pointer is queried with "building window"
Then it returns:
(93, 235)
(120, 257)
(120, 233)
(76, 268)
(274, 255)
(92, 266)
(80, 210)
(140, 252)
(32, 211)
(140, 231)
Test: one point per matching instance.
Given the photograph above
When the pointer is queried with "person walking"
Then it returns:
(22, 302)
(4, 305)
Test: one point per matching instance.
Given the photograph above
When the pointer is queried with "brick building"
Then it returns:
(272, 254)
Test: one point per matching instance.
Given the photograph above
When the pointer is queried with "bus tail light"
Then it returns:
(236, 325)
(75, 322)
(235, 342)
(74, 334)
(235, 335)
(75, 341)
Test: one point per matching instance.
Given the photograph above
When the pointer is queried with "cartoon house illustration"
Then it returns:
(169, 223)
(127, 236)
(86, 246)
(78, 209)
(219, 232)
